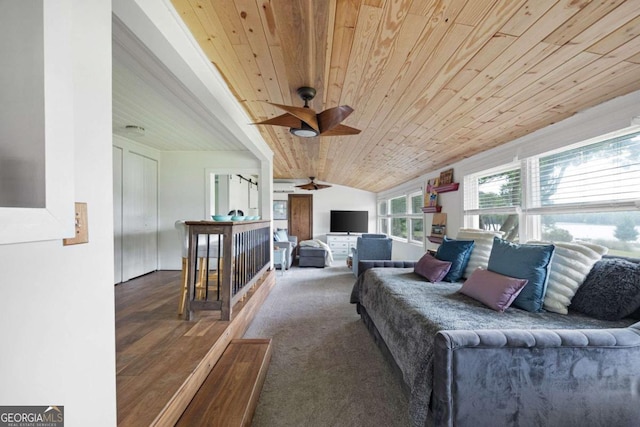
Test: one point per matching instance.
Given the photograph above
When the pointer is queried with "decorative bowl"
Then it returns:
(221, 217)
(237, 218)
(251, 218)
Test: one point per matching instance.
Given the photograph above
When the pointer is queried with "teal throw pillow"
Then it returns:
(457, 252)
(523, 261)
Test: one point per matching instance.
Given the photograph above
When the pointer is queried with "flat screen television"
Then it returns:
(349, 222)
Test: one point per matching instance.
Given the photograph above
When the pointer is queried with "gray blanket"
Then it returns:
(408, 312)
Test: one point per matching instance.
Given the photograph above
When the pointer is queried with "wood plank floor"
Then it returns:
(158, 352)
(230, 393)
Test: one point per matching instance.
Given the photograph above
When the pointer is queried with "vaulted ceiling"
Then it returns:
(431, 81)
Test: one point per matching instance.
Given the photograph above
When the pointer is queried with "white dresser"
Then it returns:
(341, 244)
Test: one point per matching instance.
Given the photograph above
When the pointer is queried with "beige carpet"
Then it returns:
(325, 370)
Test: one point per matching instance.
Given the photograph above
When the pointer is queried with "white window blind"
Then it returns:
(497, 191)
(599, 176)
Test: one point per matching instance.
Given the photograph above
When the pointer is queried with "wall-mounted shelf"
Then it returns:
(436, 240)
(444, 188)
(431, 209)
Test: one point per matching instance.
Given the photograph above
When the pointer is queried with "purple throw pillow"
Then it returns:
(492, 289)
(431, 268)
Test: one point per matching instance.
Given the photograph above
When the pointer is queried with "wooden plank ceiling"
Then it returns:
(431, 81)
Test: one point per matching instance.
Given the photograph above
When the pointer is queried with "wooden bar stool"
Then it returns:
(204, 263)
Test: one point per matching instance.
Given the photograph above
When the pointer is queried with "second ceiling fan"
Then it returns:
(313, 185)
(305, 122)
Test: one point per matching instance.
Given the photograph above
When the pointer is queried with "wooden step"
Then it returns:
(229, 395)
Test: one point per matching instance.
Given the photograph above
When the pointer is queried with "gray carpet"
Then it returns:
(325, 369)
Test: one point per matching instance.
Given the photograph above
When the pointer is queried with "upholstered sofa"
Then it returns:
(312, 257)
(281, 239)
(464, 363)
(371, 246)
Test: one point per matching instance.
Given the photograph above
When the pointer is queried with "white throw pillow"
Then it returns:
(481, 249)
(570, 266)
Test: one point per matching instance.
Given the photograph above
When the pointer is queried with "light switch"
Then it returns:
(82, 226)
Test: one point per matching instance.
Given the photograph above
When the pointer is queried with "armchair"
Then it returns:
(282, 240)
(371, 247)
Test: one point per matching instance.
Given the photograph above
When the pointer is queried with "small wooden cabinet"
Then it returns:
(341, 244)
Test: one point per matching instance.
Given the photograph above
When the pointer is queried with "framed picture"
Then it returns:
(432, 199)
(432, 183)
(279, 209)
(446, 177)
(439, 225)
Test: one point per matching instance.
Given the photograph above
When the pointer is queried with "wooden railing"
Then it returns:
(242, 253)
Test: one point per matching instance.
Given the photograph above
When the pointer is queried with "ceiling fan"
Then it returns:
(305, 122)
(313, 185)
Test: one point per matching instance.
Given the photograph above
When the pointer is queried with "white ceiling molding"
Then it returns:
(159, 28)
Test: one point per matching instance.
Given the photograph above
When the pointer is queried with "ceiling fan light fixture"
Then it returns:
(304, 131)
(134, 130)
(312, 124)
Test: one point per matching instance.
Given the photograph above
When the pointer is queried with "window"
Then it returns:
(399, 227)
(383, 221)
(382, 208)
(590, 192)
(404, 217)
(384, 225)
(606, 173)
(399, 224)
(493, 200)
(416, 222)
(399, 205)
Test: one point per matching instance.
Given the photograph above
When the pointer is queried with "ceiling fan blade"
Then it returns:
(341, 130)
(284, 120)
(307, 186)
(332, 117)
(307, 115)
(313, 185)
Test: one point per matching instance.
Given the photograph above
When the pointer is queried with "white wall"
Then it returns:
(610, 116)
(56, 303)
(336, 197)
(182, 188)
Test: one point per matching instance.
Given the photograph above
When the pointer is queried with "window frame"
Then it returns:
(530, 211)
(408, 215)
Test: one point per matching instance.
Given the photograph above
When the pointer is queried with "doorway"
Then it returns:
(300, 217)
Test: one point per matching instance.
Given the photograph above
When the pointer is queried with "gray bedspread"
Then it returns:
(408, 312)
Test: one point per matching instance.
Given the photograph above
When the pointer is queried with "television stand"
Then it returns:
(341, 244)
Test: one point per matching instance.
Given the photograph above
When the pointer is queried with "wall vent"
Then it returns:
(283, 187)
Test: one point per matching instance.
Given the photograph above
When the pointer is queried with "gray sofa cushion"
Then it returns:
(311, 257)
(378, 263)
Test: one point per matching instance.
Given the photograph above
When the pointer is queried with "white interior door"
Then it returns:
(140, 218)
(150, 215)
